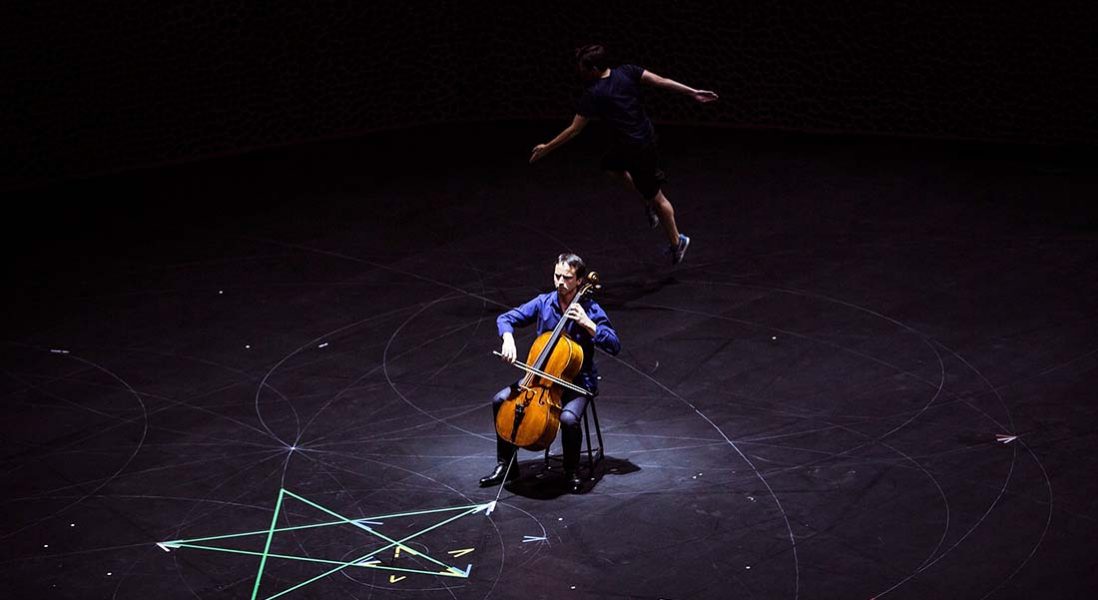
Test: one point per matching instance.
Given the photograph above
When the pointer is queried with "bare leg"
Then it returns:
(660, 204)
(626, 180)
(667, 217)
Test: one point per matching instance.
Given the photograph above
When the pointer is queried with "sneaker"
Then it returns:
(653, 218)
(680, 251)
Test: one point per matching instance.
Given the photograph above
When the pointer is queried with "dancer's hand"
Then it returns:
(539, 151)
(704, 96)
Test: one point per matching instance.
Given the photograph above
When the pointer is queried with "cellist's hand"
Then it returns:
(579, 315)
(508, 352)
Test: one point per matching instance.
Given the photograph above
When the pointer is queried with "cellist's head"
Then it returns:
(569, 274)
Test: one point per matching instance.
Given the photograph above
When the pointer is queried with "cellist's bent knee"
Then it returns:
(501, 397)
(569, 419)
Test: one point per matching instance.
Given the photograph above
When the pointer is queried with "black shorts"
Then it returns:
(642, 162)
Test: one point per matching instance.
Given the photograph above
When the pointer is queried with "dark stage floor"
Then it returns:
(808, 407)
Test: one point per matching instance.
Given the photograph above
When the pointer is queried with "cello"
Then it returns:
(530, 416)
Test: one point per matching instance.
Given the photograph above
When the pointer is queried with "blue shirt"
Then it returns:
(617, 101)
(545, 311)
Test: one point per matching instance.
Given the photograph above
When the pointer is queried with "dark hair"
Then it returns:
(575, 262)
(592, 56)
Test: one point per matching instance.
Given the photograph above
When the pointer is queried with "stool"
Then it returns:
(594, 454)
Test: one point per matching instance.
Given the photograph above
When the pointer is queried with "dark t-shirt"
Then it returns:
(616, 100)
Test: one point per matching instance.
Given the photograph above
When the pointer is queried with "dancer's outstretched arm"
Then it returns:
(654, 80)
(578, 123)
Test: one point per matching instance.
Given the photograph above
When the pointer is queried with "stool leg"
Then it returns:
(587, 432)
(598, 430)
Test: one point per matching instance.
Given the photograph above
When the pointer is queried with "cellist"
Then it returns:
(589, 327)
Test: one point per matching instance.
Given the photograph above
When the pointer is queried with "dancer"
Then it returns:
(613, 95)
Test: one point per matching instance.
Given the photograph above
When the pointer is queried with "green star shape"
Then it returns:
(365, 561)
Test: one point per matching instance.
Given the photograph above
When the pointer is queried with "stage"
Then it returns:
(268, 375)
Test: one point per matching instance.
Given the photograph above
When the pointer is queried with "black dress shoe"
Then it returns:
(497, 474)
(574, 483)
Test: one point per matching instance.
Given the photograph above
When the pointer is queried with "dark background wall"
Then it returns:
(95, 87)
